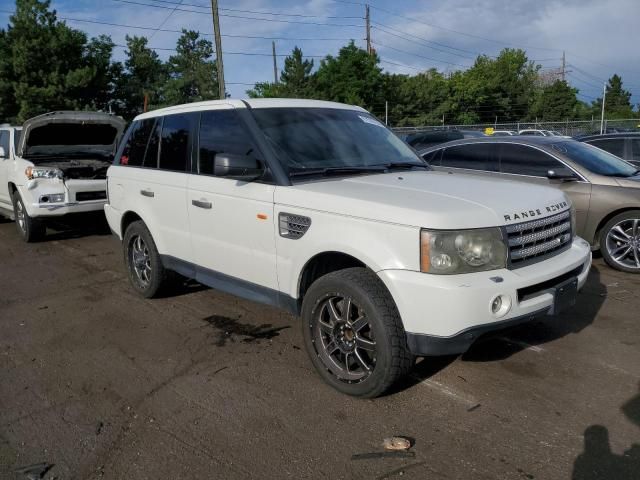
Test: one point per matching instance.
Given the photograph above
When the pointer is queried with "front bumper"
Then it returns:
(445, 314)
(36, 190)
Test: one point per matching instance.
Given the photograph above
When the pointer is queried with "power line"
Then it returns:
(417, 55)
(249, 54)
(165, 20)
(300, 22)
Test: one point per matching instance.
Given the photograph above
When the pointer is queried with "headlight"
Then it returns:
(448, 252)
(43, 172)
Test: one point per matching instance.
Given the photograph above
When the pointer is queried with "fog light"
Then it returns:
(52, 198)
(500, 305)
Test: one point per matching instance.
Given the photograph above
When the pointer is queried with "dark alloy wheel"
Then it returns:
(146, 272)
(353, 333)
(620, 242)
(344, 339)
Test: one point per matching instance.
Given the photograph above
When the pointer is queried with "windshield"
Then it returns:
(595, 160)
(320, 138)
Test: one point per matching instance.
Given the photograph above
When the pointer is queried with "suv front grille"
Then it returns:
(534, 241)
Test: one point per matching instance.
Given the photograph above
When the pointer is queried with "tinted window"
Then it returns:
(611, 145)
(635, 149)
(151, 154)
(479, 156)
(133, 153)
(523, 160)
(16, 139)
(174, 150)
(221, 132)
(595, 160)
(433, 157)
(4, 142)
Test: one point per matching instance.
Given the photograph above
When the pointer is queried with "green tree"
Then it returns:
(295, 80)
(555, 102)
(193, 76)
(45, 64)
(144, 75)
(352, 77)
(420, 99)
(618, 100)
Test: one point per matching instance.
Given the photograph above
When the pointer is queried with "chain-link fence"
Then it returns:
(571, 128)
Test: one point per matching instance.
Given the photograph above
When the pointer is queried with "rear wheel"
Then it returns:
(30, 229)
(620, 241)
(353, 333)
(146, 272)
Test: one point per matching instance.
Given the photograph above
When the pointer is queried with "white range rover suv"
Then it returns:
(55, 164)
(318, 208)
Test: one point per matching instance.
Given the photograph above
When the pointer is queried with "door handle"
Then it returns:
(147, 193)
(201, 204)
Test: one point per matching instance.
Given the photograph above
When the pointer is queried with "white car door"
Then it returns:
(5, 161)
(232, 224)
(152, 175)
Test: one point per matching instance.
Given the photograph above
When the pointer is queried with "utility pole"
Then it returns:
(604, 98)
(275, 63)
(564, 66)
(368, 26)
(218, 39)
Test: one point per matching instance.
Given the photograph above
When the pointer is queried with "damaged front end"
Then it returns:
(70, 153)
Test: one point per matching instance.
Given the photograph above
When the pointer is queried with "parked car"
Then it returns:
(503, 133)
(542, 133)
(318, 208)
(623, 145)
(604, 189)
(422, 140)
(55, 165)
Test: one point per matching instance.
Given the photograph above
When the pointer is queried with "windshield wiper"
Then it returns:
(392, 166)
(336, 170)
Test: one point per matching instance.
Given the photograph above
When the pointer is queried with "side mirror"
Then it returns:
(3, 154)
(565, 176)
(235, 166)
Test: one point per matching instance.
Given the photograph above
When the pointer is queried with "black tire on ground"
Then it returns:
(626, 240)
(369, 299)
(142, 260)
(30, 229)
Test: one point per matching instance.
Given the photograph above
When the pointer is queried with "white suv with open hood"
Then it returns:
(54, 165)
(318, 208)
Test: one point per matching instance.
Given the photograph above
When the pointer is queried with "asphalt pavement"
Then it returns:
(96, 382)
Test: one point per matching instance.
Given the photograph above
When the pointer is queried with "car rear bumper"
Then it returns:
(445, 314)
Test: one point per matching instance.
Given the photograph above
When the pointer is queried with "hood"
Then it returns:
(70, 133)
(438, 200)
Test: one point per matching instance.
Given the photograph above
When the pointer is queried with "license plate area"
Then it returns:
(565, 296)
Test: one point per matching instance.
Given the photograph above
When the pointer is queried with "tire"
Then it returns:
(368, 334)
(142, 260)
(30, 229)
(620, 242)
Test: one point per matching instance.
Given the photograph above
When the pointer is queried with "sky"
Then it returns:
(599, 38)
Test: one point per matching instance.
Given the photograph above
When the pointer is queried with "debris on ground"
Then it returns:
(396, 443)
(36, 471)
(474, 407)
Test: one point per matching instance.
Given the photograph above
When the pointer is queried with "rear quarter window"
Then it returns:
(135, 149)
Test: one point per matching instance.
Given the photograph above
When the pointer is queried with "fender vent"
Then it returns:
(293, 226)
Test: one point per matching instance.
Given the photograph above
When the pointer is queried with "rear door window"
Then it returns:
(611, 145)
(477, 156)
(635, 149)
(221, 131)
(133, 153)
(175, 144)
(4, 142)
(524, 160)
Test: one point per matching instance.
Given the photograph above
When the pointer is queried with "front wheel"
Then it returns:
(353, 333)
(620, 242)
(30, 229)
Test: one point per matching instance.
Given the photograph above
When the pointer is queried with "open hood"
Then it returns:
(70, 133)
